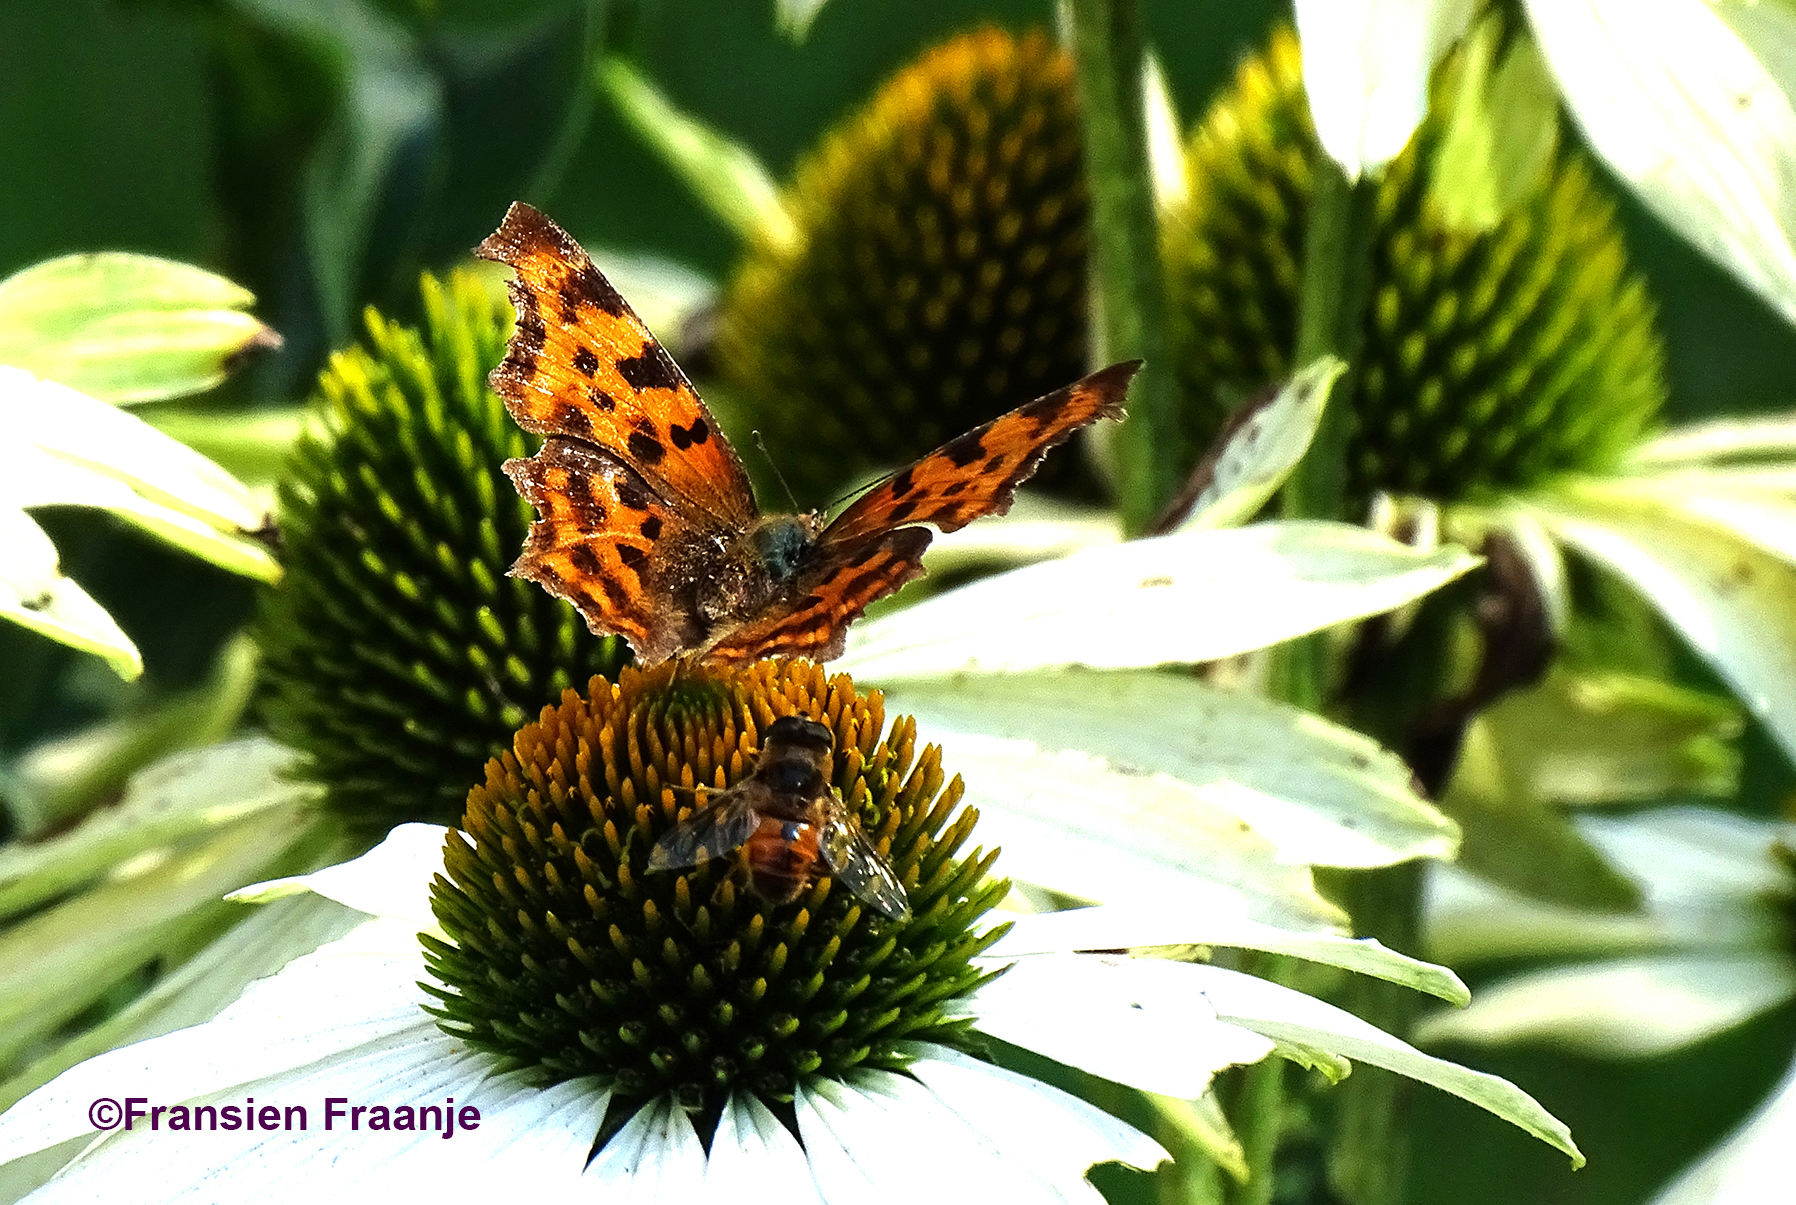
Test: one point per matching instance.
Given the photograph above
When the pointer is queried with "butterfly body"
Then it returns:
(791, 826)
(647, 521)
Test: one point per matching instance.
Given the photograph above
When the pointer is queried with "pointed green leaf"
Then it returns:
(720, 171)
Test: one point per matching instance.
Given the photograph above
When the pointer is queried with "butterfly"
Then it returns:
(647, 522)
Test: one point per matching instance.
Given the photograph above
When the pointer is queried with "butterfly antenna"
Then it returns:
(774, 465)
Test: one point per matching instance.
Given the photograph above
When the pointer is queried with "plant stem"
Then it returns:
(1336, 267)
(1125, 255)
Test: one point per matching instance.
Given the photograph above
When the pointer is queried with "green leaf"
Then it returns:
(127, 328)
(1201, 1125)
(1616, 738)
(53, 783)
(56, 963)
(251, 445)
(1512, 837)
(721, 172)
(1321, 794)
(1182, 598)
(388, 99)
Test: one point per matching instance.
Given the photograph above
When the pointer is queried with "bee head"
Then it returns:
(796, 730)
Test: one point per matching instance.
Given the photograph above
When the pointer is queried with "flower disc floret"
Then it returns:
(566, 953)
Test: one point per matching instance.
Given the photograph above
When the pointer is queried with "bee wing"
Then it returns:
(854, 863)
(712, 831)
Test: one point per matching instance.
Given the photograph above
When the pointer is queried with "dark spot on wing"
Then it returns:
(650, 370)
(991, 466)
(633, 557)
(965, 450)
(595, 288)
(631, 494)
(902, 482)
(685, 437)
(573, 421)
(589, 512)
(1044, 410)
(646, 448)
(953, 488)
(586, 560)
(585, 361)
(651, 527)
(604, 401)
(903, 511)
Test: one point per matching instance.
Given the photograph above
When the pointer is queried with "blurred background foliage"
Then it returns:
(324, 152)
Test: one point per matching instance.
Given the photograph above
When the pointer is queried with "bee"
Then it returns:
(787, 819)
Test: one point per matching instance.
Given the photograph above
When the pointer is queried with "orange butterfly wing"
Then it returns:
(874, 546)
(583, 365)
(814, 622)
(598, 545)
(976, 474)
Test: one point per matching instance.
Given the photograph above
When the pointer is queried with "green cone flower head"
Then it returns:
(937, 278)
(398, 655)
(1488, 360)
(571, 955)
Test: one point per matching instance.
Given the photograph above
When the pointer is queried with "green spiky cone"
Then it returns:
(938, 275)
(571, 955)
(1489, 361)
(398, 656)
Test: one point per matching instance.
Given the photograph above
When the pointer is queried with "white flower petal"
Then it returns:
(1035, 528)
(1264, 443)
(1143, 1022)
(1624, 1007)
(35, 594)
(1770, 436)
(1291, 1017)
(1322, 794)
(1042, 1126)
(656, 1157)
(1707, 879)
(1069, 821)
(755, 1160)
(391, 880)
(1112, 927)
(1366, 65)
(823, 1126)
(1197, 596)
(352, 993)
(1721, 590)
(1679, 106)
(294, 1165)
(1751, 1166)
